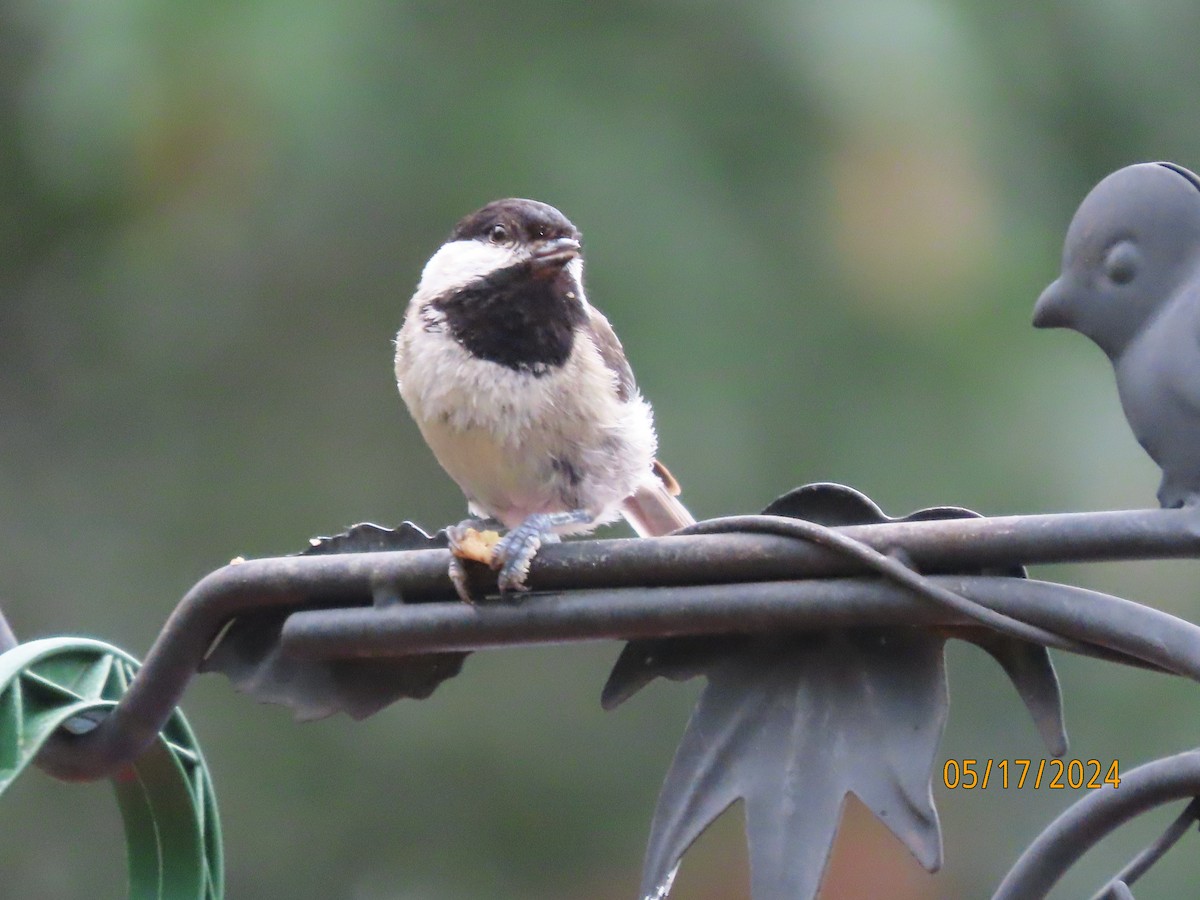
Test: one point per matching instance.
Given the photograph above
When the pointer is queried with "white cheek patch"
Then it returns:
(575, 270)
(458, 263)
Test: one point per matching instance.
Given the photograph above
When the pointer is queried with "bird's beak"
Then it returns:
(1050, 311)
(555, 253)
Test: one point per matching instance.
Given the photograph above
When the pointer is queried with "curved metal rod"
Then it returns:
(891, 567)
(1144, 861)
(931, 546)
(183, 642)
(421, 575)
(1093, 818)
(1113, 629)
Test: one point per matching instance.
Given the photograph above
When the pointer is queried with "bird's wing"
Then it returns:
(652, 509)
(611, 352)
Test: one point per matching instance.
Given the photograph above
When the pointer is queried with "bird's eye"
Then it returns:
(1121, 262)
(498, 234)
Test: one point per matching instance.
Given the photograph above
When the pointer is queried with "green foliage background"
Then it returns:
(819, 228)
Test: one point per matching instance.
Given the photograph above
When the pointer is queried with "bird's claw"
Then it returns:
(511, 555)
(516, 550)
(461, 581)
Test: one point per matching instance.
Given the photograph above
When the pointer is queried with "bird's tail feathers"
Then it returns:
(653, 509)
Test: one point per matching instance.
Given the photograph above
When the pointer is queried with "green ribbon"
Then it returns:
(172, 831)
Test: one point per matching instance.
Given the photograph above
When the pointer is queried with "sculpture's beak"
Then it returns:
(1052, 309)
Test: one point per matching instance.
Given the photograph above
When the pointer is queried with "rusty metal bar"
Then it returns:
(1110, 627)
(698, 560)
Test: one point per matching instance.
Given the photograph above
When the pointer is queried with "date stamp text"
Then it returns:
(1054, 774)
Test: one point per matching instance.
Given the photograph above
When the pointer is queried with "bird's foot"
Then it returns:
(465, 539)
(517, 549)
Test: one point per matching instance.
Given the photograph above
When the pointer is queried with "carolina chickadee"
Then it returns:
(523, 392)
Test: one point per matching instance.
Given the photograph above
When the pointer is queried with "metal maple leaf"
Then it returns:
(249, 653)
(792, 724)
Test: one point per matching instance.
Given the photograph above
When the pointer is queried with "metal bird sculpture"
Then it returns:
(1131, 282)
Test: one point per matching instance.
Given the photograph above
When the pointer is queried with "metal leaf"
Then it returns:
(1029, 668)
(1027, 665)
(793, 724)
(250, 655)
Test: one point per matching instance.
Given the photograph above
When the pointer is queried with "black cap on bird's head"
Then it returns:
(1132, 241)
(545, 232)
(517, 220)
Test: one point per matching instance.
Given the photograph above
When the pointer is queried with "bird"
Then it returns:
(522, 390)
(1130, 282)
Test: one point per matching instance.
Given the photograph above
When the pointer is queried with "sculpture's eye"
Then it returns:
(498, 234)
(1121, 262)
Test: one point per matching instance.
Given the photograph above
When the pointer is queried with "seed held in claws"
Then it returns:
(477, 545)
